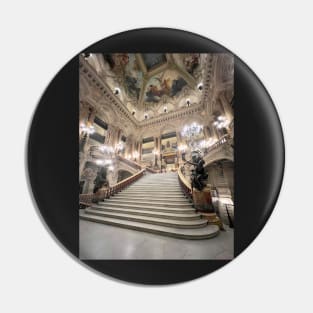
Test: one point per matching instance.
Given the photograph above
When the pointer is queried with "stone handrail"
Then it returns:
(184, 183)
(131, 163)
(104, 193)
(220, 142)
(151, 170)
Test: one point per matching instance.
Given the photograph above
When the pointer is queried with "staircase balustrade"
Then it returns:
(131, 163)
(223, 140)
(185, 184)
(151, 170)
(105, 193)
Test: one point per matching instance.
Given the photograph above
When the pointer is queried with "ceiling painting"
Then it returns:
(168, 83)
(146, 79)
(191, 62)
(153, 60)
(126, 67)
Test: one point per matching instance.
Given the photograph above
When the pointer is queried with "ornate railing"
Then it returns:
(223, 140)
(97, 153)
(185, 184)
(105, 193)
(151, 170)
(131, 163)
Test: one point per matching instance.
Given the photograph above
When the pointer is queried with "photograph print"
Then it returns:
(156, 156)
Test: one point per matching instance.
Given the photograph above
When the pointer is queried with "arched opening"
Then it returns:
(169, 160)
(123, 174)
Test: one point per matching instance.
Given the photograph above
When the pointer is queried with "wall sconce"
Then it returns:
(99, 162)
(221, 122)
(182, 147)
(87, 128)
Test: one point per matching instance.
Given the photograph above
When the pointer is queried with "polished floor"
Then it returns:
(99, 241)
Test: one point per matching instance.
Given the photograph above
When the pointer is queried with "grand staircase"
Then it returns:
(155, 204)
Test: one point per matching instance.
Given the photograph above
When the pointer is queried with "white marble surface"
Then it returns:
(98, 241)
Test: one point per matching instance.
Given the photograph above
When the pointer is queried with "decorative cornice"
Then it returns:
(207, 82)
(171, 116)
(98, 83)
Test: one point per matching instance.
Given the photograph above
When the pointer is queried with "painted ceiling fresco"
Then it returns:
(146, 78)
(126, 67)
(167, 83)
(191, 62)
(153, 60)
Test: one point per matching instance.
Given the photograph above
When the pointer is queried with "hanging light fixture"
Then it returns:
(192, 130)
(182, 147)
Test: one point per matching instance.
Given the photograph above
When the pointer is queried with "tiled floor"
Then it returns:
(98, 241)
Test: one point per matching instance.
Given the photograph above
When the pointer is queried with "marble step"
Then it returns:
(176, 199)
(166, 197)
(206, 232)
(157, 181)
(161, 181)
(150, 220)
(164, 186)
(169, 204)
(152, 191)
(155, 184)
(140, 182)
(152, 181)
(157, 214)
(159, 184)
(149, 207)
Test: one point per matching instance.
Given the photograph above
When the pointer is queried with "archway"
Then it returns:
(123, 174)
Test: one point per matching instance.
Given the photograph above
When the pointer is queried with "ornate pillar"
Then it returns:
(206, 133)
(110, 135)
(87, 115)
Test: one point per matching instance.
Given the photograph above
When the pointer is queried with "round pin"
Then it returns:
(155, 156)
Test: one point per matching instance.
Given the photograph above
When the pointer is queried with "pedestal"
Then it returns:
(202, 200)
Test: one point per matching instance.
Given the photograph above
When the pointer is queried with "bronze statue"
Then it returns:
(198, 174)
(101, 179)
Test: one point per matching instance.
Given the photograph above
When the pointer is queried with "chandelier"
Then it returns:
(192, 131)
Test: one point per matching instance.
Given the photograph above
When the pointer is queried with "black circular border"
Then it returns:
(52, 156)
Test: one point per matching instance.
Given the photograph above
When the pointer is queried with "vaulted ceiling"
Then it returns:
(152, 84)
